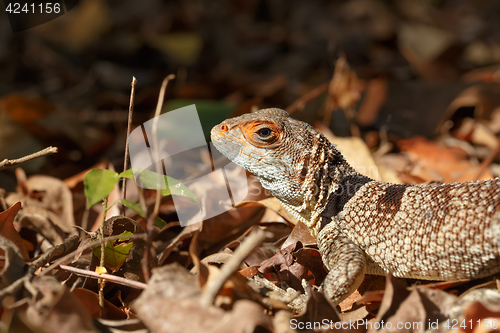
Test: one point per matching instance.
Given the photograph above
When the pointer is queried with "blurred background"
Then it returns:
(382, 70)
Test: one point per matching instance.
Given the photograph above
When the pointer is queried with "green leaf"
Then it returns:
(114, 255)
(159, 222)
(127, 174)
(98, 185)
(149, 179)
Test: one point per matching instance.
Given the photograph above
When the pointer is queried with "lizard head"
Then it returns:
(289, 157)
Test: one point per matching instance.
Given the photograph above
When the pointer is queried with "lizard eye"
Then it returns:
(264, 132)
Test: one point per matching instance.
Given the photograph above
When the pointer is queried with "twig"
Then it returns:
(55, 251)
(88, 246)
(69, 242)
(129, 129)
(159, 172)
(104, 276)
(214, 286)
(487, 161)
(301, 102)
(6, 163)
(14, 287)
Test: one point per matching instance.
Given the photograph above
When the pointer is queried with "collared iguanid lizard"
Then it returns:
(363, 226)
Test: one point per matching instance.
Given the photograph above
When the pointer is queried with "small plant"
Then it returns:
(98, 184)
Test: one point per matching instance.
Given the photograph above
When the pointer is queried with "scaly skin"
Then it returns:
(432, 232)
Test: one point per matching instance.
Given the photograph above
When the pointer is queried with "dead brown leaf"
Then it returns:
(51, 197)
(311, 259)
(26, 110)
(408, 311)
(346, 304)
(482, 99)
(249, 271)
(477, 316)
(440, 163)
(14, 265)
(345, 88)
(283, 263)
(57, 310)
(395, 293)
(90, 300)
(8, 230)
(300, 233)
(172, 297)
(375, 97)
(273, 204)
(319, 308)
(424, 47)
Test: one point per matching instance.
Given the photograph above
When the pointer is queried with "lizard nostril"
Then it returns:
(224, 128)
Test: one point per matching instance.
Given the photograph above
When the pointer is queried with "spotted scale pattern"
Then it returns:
(433, 232)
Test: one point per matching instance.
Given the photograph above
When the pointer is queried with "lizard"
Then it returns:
(440, 232)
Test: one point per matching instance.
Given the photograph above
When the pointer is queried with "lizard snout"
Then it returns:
(219, 130)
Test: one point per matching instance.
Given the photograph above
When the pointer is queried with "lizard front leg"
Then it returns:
(345, 260)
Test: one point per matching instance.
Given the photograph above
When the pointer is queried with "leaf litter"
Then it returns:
(423, 109)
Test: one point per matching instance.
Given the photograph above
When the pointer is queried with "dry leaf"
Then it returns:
(14, 264)
(434, 162)
(273, 204)
(57, 310)
(300, 233)
(90, 300)
(50, 195)
(345, 88)
(8, 231)
(354, 151)
(172, 296)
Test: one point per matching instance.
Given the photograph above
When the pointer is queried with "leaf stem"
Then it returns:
(102, 282)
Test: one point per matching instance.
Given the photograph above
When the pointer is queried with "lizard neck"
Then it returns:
(325, 171)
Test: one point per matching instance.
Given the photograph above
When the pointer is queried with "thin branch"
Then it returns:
(156, 149)
(69, 243)
(107, 277)
(55, 251)
(6, 163)
(301, 102)
(159, 172)
(88, 246)
(214, 286)
(487, 161)
(129, 129)
(58, 250)
(14, 287)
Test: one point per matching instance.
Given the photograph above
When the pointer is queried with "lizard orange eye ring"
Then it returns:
(262, 134)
